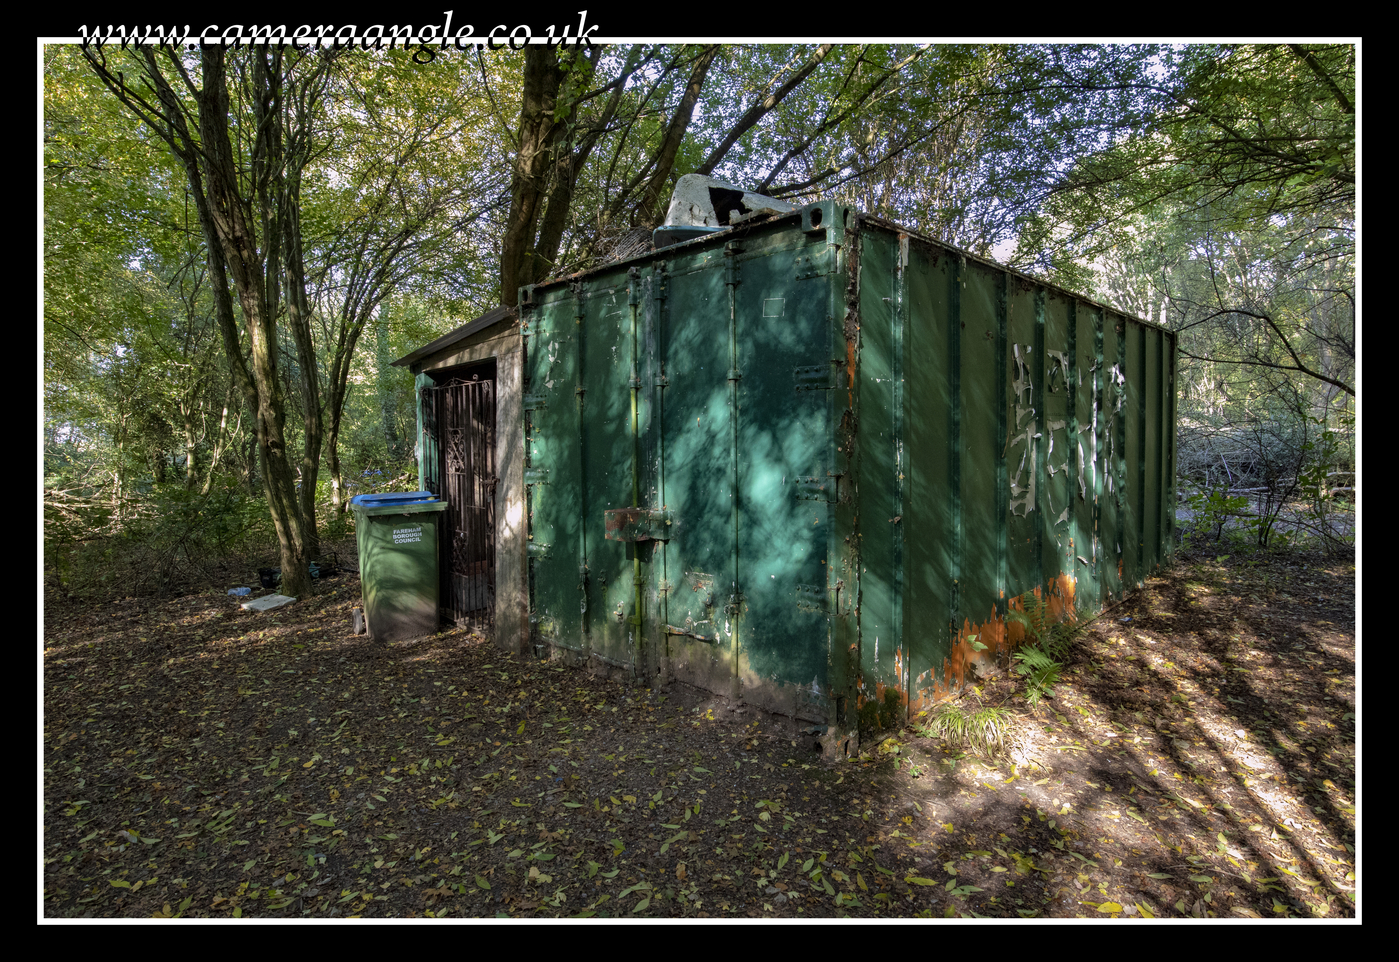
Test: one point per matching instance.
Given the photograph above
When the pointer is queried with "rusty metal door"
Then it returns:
(461, 416)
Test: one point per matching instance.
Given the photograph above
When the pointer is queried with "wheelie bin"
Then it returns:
(396, 535)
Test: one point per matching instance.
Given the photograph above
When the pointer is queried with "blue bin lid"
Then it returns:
(392, 498)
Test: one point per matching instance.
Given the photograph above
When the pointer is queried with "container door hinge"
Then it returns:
(816, 489)
(812, 598)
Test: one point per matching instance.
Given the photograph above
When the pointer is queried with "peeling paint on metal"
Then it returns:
(553, 353)
(1082, 486)
(1022, 482)
(1055, 426)
(1022, 384)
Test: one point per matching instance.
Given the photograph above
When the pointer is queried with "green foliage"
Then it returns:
(1327, 482)
(981, 730)
(1041, 661)
(1051, 635)
(1253, 130)
(1331, 457)
(1212, 508)
(1041, 672)
(173, 540)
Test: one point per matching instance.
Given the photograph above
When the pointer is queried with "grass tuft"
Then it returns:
(981, 730)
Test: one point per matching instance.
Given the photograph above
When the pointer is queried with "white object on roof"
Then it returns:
(701, 201)
(267, 602)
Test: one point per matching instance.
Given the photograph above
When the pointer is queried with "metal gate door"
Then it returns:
(461, 416)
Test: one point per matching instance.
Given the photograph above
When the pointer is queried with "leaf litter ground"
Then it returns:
(202, 761)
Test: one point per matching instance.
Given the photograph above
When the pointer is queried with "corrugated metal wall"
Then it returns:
(1014, 440)
(801, 463)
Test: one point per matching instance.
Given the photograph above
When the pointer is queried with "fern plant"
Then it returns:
(1041, 673)
(1041, 661)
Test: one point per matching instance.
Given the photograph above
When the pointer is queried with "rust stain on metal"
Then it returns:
(999, 634)
(620, 519)
(635, 524)
(1061, 597)
(888, 706)
(960, 661)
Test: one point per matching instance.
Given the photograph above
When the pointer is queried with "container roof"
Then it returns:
(486, 320)
(855, 220)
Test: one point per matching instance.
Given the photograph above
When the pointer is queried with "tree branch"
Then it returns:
(760, 109)
(1309, 58)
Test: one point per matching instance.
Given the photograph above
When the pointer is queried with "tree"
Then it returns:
(392, 195)
(964, 141)
(616, 126)
(1244, 132)
(244, 138)
(133, 384)
(388, 174)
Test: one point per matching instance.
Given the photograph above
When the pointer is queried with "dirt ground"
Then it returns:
(203, 761)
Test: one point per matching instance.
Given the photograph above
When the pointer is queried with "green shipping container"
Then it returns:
(801, 462)
(396, 536)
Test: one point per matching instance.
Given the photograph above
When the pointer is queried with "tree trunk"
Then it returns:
(221, 441)
(338, 504)
(191, 470)
(651, 199)
(528, 181)
(228, 217)
(233, 249)
(382, 366)
(567, 166)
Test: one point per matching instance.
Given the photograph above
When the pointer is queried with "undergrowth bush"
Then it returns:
(169, 540)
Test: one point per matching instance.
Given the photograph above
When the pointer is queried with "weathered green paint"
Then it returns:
(830, 451)
(427, 444)
(932, 550)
